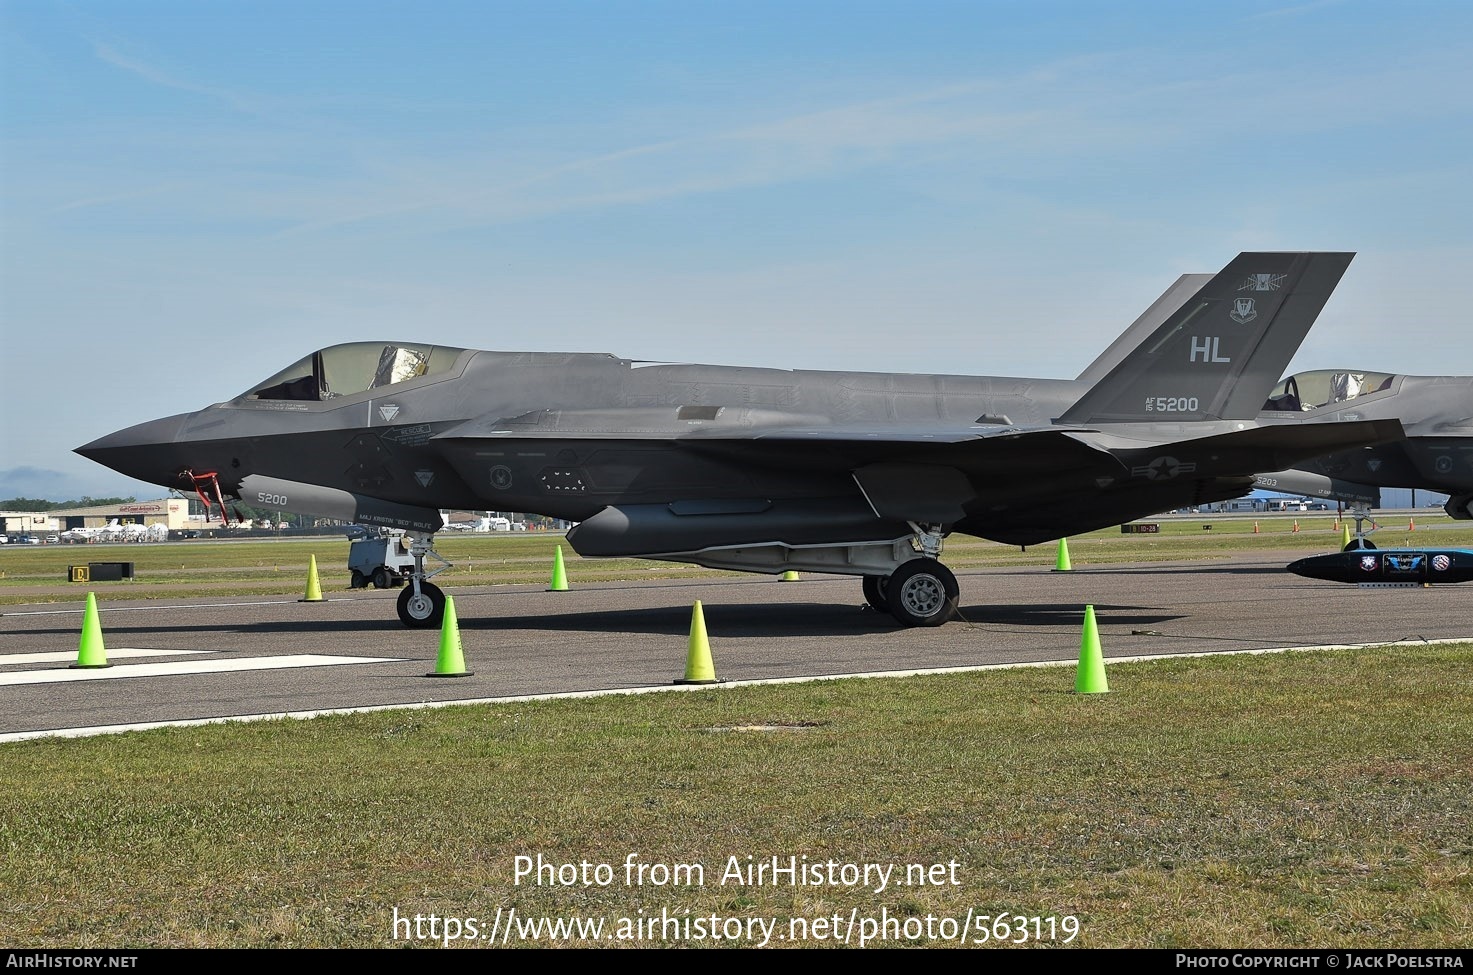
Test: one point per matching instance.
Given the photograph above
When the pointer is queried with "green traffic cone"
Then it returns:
(698, 666)
(790, 576)
(559, 581)
(1062, 563)
(90, 651)
(1344, 535)
(314, 586)
(451, 662)
(1090, 677)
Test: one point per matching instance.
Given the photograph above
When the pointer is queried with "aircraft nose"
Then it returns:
(149, 451)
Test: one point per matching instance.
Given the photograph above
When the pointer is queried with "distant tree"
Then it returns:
(26, 504)
(39, 504)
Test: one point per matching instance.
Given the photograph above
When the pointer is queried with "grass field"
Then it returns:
(1303, 799)
(1314, 798)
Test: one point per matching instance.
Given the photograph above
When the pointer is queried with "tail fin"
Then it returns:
(1219, 354)
(1171, 299)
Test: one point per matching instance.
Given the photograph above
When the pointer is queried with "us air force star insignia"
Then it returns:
(1163, 469)
(1243, 311)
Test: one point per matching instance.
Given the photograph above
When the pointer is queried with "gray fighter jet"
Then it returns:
(767, 470)
(1437, 454)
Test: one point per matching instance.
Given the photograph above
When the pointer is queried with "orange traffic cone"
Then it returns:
(1296, 524)
(1255, 528)
(1411, 524)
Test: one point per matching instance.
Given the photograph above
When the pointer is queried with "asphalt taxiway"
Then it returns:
(207, 658)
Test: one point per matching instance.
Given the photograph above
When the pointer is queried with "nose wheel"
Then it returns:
(422, 605)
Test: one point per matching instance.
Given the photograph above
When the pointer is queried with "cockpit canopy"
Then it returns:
(1307, 391)
(343, 370)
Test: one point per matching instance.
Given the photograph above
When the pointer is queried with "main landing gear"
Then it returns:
(902, 576)
(920, 591)
(422, 603)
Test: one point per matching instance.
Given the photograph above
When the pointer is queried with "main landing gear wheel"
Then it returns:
(423, 609)
(922, 592)
(874, 593)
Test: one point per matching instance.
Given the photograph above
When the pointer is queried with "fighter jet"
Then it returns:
(1437, 454)
(769, 470)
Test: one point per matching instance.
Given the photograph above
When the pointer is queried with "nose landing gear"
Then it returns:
(422, 603)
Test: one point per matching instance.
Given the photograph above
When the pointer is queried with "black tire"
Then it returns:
(1356, 544)
(922, 592)
(381, 578)
(874, 593)
(358, 580)
(424, 609)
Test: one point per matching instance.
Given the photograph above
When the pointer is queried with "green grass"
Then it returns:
(1301, 799)
(271, 567)
(1305, 799)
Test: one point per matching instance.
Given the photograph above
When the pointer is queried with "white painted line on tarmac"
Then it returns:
(64, 656)
(111, 609)
(181, 667)
(666, 688)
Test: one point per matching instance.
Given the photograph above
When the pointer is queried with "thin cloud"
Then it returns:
(149, 73)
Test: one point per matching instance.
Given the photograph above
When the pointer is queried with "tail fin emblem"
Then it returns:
(1244, 311)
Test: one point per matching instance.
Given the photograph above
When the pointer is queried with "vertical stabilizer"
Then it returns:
(1218, 355)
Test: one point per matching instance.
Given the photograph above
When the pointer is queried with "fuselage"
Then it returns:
(562, 435)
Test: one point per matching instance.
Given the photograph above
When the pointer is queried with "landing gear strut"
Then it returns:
(1362, 514)
(422, 604)
(920, 591)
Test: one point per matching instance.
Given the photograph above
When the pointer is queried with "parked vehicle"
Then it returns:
(382, 560)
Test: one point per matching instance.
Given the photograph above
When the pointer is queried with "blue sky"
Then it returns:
(197, 194)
